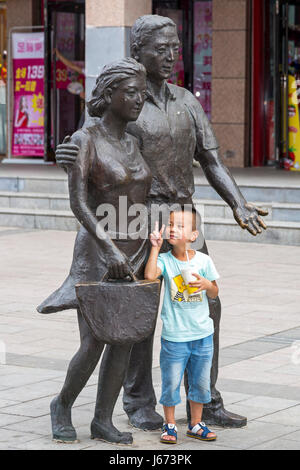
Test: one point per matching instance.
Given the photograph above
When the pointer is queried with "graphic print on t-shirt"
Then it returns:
(179, 292)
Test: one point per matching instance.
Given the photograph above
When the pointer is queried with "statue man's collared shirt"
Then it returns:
(170, 137)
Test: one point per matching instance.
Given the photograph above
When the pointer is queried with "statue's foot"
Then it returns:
(62, 427)
(146, 419)
(109, 433)
(222, 417)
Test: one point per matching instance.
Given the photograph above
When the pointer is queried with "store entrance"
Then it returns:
(65, 63)
(287, 63)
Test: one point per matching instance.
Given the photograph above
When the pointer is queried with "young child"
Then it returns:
(187, 334)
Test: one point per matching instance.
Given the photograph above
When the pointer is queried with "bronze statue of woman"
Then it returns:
(109, 165)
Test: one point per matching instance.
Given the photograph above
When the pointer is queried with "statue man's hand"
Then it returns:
(247, 216)
(66, 153)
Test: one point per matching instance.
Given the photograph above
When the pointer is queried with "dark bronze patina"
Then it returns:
(171, 130)
(108, 165)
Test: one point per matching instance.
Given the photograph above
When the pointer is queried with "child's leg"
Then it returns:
(173, 360)
(196, 417)
(169, 412)
(196, 412)
(198, 368)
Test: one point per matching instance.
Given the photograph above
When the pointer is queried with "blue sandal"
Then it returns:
(168, 430)
(192, 432)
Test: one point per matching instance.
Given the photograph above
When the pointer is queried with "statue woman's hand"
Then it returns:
(118, 265)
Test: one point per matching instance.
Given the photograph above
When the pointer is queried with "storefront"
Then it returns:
(240, 58)
(272, 71)
(3, 76)
(276, 84)
(193, 70)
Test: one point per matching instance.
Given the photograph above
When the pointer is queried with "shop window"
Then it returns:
(194, 23)
(203, 54)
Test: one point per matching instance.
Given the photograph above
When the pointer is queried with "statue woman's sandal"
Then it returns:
(192, 432)
(169, 430)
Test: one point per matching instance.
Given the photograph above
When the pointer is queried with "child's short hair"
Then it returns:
(192, 210)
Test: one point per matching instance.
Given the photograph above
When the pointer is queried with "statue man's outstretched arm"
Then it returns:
(246, 214)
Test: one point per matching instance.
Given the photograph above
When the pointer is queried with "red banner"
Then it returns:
(28, 70)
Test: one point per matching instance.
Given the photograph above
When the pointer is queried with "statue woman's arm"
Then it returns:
(78, 176)
(78, 188)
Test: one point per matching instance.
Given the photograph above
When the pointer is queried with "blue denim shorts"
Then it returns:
(196, 357)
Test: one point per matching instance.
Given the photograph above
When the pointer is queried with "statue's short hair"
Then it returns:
(110, 77)
(144, 27)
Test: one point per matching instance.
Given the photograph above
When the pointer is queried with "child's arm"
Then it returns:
(152, 272)
(213, 291)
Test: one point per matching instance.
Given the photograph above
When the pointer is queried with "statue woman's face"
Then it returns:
(127, 100)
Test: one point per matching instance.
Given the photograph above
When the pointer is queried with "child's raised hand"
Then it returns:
(156, 237)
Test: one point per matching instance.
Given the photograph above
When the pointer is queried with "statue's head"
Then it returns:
(154, 42)
(120, 88)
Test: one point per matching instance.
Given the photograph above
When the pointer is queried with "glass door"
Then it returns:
(181, 12)
(194, 24)
(65, 48)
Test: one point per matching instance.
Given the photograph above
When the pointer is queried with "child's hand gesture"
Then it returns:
(156, 237)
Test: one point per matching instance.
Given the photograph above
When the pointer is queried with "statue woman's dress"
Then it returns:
(111, 169)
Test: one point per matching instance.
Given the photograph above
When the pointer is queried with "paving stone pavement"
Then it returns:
(259, 373)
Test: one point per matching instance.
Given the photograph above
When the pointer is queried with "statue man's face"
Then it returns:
(160, 53)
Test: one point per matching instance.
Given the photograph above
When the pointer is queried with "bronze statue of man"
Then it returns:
(172, 129)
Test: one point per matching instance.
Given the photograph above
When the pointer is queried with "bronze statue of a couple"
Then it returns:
(139, 141)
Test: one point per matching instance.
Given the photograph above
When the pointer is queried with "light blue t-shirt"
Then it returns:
(185, 318)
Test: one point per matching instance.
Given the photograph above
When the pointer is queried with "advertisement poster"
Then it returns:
(291, 161)
(65, 77)
(203, 54)
(28, 73)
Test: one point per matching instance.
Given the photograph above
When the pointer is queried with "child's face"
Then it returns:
(179, 230)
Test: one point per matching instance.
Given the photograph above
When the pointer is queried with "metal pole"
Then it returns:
(47, 84)
(54, 96)
(277, 73)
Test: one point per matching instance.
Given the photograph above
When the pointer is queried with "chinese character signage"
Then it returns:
(28, 73)
(203, 53)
